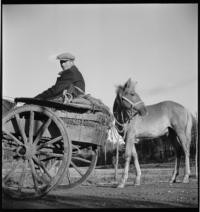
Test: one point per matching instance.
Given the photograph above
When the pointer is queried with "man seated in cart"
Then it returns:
(70, 79)
(70, 86)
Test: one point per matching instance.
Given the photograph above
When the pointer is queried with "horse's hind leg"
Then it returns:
(186, 148)
(177, 149)
(127, 163)
(177, 165)
(137, 166)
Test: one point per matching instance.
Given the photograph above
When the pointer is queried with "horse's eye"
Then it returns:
(132, 94)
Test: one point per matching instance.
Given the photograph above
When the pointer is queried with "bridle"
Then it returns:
(132, 107)
(132, 103)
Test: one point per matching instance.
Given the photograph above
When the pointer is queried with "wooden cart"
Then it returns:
(46, 144)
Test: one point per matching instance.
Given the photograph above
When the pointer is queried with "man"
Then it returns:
(70, 79)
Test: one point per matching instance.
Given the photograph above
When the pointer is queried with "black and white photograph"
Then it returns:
(100, 106)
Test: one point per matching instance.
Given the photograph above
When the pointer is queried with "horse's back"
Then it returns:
(168, 110)
(166, 107)
(159, 118)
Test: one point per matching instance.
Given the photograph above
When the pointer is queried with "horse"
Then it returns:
(135, 121)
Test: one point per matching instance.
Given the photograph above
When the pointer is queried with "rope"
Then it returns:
(122, 125)
(118, 122)
(67, 97)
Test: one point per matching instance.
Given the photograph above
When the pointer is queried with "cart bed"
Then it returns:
(84, 123)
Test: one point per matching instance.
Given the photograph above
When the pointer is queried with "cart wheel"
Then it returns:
(33, 137)
(83, 162)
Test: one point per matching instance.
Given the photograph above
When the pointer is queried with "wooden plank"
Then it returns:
(87, 134)
(86, 116)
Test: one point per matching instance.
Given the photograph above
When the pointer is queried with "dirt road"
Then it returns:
(101, 192)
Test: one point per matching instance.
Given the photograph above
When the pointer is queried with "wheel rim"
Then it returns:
(33, 139)
(82, 164)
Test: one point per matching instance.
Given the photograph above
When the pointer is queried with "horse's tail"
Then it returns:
(192, 126)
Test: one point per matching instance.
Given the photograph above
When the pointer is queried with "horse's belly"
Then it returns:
(151, 134)
(151, 129)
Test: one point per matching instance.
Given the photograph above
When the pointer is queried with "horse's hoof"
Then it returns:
(137, 183)
(185, 180)
(120, 186)
(172, 181)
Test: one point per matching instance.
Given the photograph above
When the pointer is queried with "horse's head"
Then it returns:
(129, 99)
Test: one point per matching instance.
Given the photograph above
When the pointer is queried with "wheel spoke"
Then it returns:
(51, 154)
(42, 166)
(22, 177)
(75, 147)
(21, 129)
(81, 159)
(31, 125)
(48, 143)
(42, 130)
(13, 137)
(8, 148)
(34, 175)
(68, 176)
(76, 168)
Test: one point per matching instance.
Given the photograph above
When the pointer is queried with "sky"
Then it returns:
(153, 44)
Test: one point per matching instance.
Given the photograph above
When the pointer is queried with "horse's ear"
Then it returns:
(128, 83)
(120, 93)
(129, 80)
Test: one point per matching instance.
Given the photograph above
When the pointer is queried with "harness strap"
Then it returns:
(129, 101)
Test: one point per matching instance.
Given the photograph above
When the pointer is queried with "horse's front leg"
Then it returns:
(127, 162)
(137, 165)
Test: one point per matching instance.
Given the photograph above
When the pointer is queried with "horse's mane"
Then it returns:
(119, 89)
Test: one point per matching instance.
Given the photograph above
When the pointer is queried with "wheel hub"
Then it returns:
(26, 151)
(21, 151)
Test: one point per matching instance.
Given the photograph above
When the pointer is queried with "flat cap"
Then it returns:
(65, 56)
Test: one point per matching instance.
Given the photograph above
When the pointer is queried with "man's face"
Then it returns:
(65, 64)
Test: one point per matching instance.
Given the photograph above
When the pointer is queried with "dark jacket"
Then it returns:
(67, 78)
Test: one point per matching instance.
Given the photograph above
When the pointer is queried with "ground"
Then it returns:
(101, 192)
